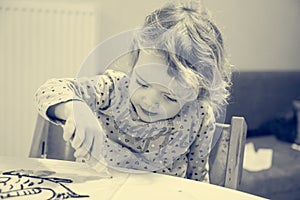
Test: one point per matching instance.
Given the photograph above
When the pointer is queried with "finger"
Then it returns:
(95, 147)
(69, 129)
(78, 139)
(86, 145)
(81, 152)
(88, 141)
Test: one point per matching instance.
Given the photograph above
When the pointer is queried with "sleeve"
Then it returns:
(96, 91)
(199, 150)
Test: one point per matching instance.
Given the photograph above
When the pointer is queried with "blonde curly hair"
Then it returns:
(193, 46)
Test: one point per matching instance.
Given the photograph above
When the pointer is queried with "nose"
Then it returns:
(151, 99)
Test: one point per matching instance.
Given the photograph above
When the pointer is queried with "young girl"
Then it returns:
(158, 117)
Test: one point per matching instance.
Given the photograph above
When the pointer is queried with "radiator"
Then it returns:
(38, 40)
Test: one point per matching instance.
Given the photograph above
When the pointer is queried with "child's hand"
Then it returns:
(82, 129)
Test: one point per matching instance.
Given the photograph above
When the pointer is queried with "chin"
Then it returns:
(147, 120)
(151, 120)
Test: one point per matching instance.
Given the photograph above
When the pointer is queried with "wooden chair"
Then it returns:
(227, 155)
(52, 146)
(226, 158)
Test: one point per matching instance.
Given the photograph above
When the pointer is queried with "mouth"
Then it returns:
(146, 112)
(139, 113)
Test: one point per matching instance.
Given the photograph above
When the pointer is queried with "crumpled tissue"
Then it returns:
(257, 160)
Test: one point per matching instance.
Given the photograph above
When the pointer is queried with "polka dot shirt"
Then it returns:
(179, 146)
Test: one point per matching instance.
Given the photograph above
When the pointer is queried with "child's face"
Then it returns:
(154, 94)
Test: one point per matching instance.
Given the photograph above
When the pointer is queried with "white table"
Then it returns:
(21, 178)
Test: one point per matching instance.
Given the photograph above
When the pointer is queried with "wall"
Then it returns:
(38, 40)
(260, 34)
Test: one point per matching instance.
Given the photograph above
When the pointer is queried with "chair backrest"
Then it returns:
(52, 146)
(227, 155)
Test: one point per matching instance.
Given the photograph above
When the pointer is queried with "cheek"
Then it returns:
(172, 109)
(132, 90)
(135, 95)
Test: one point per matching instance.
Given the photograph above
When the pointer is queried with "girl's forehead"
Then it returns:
(153, 73)
(152, 67)
(147, 56)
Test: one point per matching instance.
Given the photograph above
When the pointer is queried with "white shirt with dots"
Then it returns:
(179, 146)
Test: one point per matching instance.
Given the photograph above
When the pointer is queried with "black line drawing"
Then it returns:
(24, 183)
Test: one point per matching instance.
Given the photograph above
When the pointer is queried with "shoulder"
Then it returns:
(120, 79)
(203, 115)
(118, 75)
(200, 110)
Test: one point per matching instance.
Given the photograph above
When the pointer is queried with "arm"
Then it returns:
(60, 111)
(54, 98)
(96, 92)
(73, 103)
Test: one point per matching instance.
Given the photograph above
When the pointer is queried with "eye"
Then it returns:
(142, 84)
(168, 98)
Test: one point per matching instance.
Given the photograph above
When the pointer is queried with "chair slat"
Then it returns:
(235, 156)
(39, 141)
